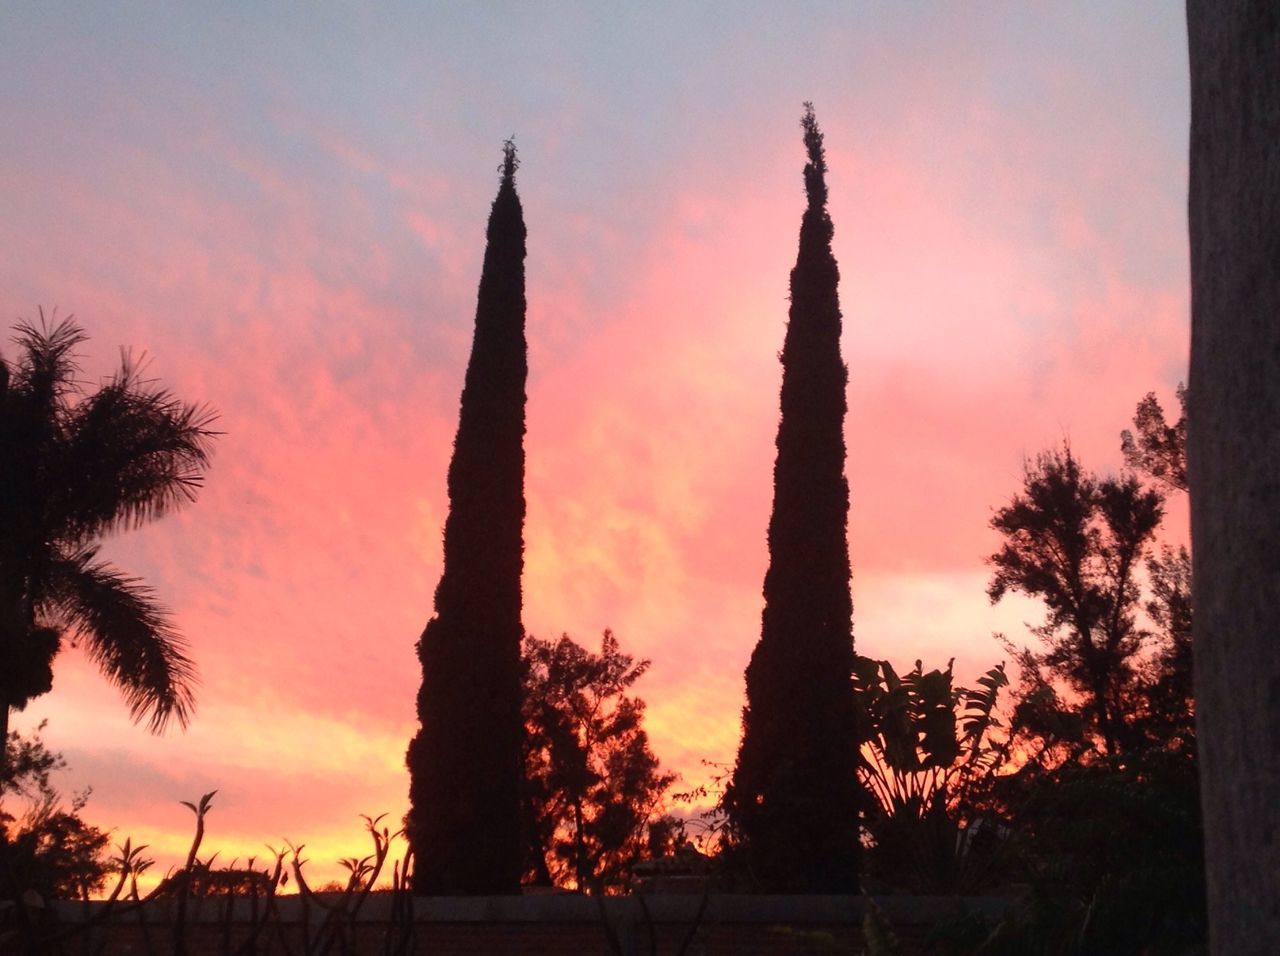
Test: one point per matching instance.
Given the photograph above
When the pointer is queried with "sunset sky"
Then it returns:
(286, 213)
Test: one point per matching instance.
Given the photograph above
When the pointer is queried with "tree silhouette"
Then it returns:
(594, 788)
(1101, 802)
(465, 761)
(1077, 542)
(49, 848)
(75, 467)
(1171, 709)
(1155, 447)
(1158, 450)
(793, 800)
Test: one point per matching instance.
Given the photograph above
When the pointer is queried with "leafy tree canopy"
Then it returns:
(594, 789)
(1076, 542)
(1155, 447)
(48, 848)
(1102, 804)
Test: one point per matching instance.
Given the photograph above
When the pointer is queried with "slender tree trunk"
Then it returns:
(1234, 459)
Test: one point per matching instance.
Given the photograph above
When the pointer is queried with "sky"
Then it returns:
(283, 210)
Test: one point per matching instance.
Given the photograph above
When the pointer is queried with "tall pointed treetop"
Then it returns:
(510, 162)
(815, 171)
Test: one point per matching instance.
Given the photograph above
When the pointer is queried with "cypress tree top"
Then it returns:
(484, 533)
(815, 170)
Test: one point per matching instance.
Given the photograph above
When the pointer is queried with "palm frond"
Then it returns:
(32, 423)
(129, 636)
(133, 453)
(47, 366)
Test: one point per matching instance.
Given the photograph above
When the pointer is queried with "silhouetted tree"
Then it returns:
(1076, 542)
(1102, 806)
(464, 763)
(793, 801)
(49, 848)
(1169, 719)
(1158, 450)
(594, 789)
(75, 467)
(1155, 447)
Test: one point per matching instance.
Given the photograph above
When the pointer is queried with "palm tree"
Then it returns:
(74, 467)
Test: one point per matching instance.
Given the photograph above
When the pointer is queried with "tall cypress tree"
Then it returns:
(465, 762)
(793, 800)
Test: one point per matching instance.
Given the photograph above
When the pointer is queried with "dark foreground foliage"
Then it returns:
(45, 846)
(931, 751)
(242, 898)
(1103, 802)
